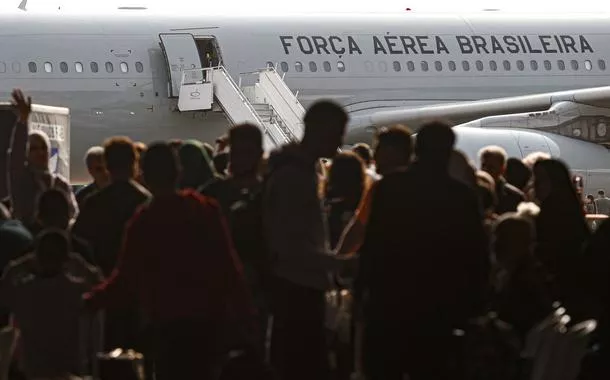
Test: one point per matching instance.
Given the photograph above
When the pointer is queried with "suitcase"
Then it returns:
(121, 365)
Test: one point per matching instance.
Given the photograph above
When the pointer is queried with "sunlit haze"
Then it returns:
(273, 6)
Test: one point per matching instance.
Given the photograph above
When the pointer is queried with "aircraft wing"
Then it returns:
(459, 113)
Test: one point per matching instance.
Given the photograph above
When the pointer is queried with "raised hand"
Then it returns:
(22, 106)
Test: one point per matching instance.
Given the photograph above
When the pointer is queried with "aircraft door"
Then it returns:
(181, 53)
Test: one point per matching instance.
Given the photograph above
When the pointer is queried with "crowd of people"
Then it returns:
(217, 262)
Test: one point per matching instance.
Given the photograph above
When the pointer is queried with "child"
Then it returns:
(43, 290)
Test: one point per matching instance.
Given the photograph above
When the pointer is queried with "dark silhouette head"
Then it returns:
(346, 178)
(121, 158)
(160, 168)
(434, 144)
(54, 209)
(552, 177)
(52, 249)
(517, 173)
(393, 149)
(364, 152)
(246, 141)
(195, 165)
(325, 123)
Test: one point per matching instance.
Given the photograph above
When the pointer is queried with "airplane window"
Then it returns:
(313, 67)
(588, 65)
(506, 65)
(284, 66)
(298, 67)
(479, 65)
(574, 64)
(2, 67)
(48, 67)
(368, 66)
(452, 66)
(78, 67)
(410, 66)
(124, 67)
(493, 65)
(326, 65)
(16, 66)
(466, 65)
(520, 65)
(94, 67)
(547, 65)
(534, 65)
(396, 65)
(140, 67)
(561, 64)
(109, 67)
(424, 66)
(341, 66)
(438, 65)
(63, 66)
(602, 64)
(32, 67)
(383, 67)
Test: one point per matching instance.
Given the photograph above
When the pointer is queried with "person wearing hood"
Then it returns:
(297, 237)
(29, 173)
(197, 171)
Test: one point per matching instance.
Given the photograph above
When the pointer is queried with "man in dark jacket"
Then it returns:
(102, 222)
(424, 263)
(94, 160)
(493, 161)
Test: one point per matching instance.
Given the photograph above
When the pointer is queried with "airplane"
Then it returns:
(118, 72)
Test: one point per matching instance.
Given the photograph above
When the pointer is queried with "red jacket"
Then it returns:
(178, 262)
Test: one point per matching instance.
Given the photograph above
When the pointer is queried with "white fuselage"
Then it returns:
(365, 62)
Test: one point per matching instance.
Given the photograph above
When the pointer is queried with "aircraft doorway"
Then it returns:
(209, 53)
(184, 52)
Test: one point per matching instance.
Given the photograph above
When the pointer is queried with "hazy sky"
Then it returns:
(324, 5)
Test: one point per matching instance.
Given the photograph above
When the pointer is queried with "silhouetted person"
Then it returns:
(102, 222)
(29, 173)
(240, 197)
(517, 174)
(394, 150)
(294, 225)
(44, 290)
(521, 296)
(424, 263)
(94, 160)
(197, 171)
(179, 266)
(493, 161)
(54, 212)
(344, 190)
(15, 240)
(561, 228)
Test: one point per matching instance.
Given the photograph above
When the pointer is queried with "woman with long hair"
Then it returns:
(561, 226)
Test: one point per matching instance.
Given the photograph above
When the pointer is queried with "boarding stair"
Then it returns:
(266, 101)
